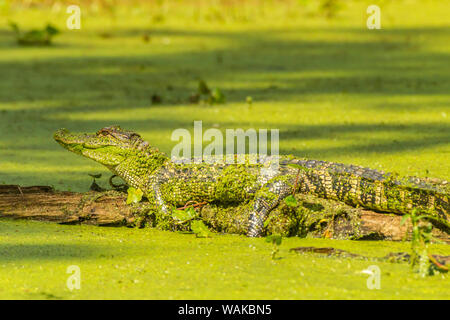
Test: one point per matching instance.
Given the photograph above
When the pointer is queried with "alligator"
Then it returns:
(169, 183)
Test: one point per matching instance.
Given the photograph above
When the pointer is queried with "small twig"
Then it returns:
(436, 263)
(195, 204)
(20, 190)
(328, 233)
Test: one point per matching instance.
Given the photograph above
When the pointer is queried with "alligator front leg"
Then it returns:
(158, 198)
(266, 199)
(154, 194)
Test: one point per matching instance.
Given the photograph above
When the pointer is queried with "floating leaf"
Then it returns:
(217, 96)
(36, 36)
(51, 30)
(134, 195)
(146, 37)
(276, 239)
(156, 99)
(194, 98)
(203, 87)
(291, 201)
(184, 215)
(200, 229)
(15, 27)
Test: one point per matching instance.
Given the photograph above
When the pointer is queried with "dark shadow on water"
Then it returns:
(42, 252)
(383, 64)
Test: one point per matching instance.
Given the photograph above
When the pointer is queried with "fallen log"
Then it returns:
(311, 217)
(42, 203)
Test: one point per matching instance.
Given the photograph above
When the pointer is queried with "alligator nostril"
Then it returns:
(58, 134)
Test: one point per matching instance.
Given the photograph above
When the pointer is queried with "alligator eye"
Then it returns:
(103, 132)
(143, 145)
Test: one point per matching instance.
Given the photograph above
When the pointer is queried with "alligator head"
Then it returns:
(124, 152)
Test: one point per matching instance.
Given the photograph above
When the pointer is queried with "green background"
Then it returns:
(336, 90)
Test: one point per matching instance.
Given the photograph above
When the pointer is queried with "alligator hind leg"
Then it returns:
(266, 199)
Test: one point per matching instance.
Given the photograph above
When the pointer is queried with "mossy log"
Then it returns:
(42, 203)
(311, 216)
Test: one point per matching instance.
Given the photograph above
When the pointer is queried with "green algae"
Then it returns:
(354, 103)
(118, 263)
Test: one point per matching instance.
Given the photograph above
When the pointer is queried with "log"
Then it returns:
(312, 217)
(42, 203)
